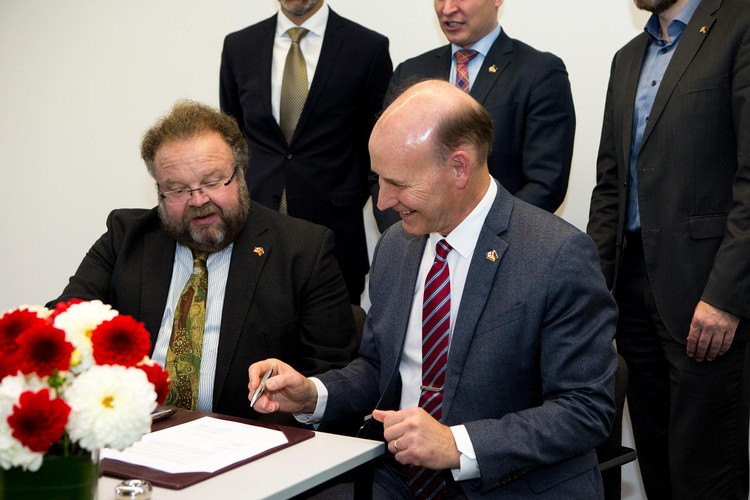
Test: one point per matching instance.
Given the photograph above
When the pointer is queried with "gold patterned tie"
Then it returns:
(293, 92)
(185, 345)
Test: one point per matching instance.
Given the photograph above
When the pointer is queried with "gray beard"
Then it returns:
(212, 239)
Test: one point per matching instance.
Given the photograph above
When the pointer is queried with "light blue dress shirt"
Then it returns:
(218, 271)
(655, 64)
(482, 46)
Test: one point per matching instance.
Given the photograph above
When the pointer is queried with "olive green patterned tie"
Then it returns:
(293, 92)
(185, 345)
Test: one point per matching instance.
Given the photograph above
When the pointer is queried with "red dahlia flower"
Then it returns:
(120, 341)
(159, 377)
(38, 421)
(43, 349)
(12, 324)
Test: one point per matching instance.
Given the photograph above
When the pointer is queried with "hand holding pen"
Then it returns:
(285, 389)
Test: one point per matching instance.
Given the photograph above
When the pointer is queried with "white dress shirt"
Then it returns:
(218, 270)
(310, 46)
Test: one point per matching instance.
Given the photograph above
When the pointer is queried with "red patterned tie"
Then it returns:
(436, 319)
(463, 58)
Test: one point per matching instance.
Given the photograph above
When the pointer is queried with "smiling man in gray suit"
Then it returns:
(518, 389)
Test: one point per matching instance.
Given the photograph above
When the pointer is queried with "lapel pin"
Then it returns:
(491, 255)
(704, 30)
(492, 69)
(259, 251)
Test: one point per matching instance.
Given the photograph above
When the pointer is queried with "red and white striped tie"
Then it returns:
(436, 318)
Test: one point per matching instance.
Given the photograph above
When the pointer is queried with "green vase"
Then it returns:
(59, 478)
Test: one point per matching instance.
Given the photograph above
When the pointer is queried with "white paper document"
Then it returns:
(203, 445)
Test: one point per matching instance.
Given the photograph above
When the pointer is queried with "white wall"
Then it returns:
(81, 80)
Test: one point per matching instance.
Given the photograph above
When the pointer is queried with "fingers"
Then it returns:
(711, 332)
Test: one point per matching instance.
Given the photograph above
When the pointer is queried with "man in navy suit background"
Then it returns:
(526, 91)
(320, 172)
(528, 383)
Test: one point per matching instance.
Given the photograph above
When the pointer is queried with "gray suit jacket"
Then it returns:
(531, 365)
(693, 169)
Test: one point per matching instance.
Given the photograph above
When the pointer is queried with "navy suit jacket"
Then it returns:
(290, 302)
(527, 92)
(325, 168)
(693, 169)
(531, 364)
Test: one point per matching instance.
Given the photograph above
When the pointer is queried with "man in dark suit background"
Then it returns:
(320, 171)
(527, 92)
(526, 391)
(274, 287)
(671, 216)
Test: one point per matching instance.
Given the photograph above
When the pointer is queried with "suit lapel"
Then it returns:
(690, 42)
(498, 58)
(244, 272)
(404, 293)
(264, 42)
(156, 276)
(480, 281)
(628, 76)
(332, 43)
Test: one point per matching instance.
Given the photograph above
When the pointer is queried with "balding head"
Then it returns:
(430, 150)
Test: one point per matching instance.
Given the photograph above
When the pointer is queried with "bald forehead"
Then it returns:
(412, 119)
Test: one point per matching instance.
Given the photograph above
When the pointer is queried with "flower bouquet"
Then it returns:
(73, 380)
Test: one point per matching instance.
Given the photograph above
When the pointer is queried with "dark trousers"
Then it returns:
(690, 419)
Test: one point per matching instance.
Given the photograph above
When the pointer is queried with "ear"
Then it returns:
(460, 163)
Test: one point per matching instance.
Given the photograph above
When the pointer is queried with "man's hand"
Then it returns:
(711, 332)
(415, 438)
(286, 390)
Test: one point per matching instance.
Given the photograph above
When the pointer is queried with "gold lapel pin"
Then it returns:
(492, 69)
(491, 255)
(259, 251)
(704, 30)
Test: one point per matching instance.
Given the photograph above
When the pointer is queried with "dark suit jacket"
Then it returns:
(531, 364)
(528, 96)
(326, 166)
(289, 302)
(693, 168)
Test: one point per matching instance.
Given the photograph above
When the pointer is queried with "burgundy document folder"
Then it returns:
(116, 468)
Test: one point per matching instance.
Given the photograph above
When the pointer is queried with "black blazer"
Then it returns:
(527, 92)
(289, 303)
(326, 166)
(693, 169)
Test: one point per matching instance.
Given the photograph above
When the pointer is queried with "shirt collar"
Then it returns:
(483, 45)
(316, 24)
(464, 237)
(676, 27)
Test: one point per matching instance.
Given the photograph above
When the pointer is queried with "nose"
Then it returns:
(386, 196)
(197, 198)
(446, 7)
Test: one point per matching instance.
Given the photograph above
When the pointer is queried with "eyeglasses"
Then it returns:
(211, 190)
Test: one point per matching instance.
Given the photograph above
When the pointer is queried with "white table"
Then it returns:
(279, 475)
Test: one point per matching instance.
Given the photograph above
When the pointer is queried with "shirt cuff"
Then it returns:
(469, 467)
(320, 406)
